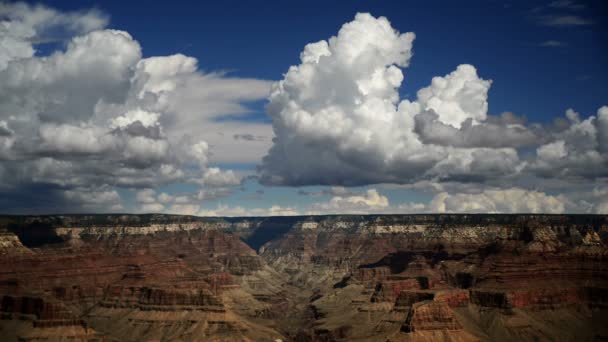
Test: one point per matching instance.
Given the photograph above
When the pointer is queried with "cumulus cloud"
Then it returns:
(511, 200)
(4, 130)
(21, 25)
(486, 200)
(98, 114)
(338, 119)
(552, 151)
(496, 132)
(152, 208)
(146, 196)
(459, 96)
(216, 177)
(204, 105)
(187, 203)
(576, 150)
(369, 202)
(602, 129)
(602, 208)
(95, 200)
(224, 210)
(96, 117)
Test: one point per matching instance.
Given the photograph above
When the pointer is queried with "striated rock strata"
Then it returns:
(317, 278)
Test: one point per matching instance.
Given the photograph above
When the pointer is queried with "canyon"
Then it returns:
(304, 278)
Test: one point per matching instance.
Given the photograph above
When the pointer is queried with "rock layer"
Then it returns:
(393, 277)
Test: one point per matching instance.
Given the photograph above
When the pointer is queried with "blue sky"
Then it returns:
(502, 39)
(543, 57)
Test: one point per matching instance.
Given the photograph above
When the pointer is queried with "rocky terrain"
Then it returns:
(318, 278)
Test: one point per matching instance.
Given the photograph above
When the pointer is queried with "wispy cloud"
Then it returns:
(566, 4)
(563, 20)
(553, 43)
(561, 13)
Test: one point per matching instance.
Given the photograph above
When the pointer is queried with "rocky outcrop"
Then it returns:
(10, 245)
(193, 297)
(408, 298)
(548, 298)
(453, 298)
(37, 308)
(430, 315)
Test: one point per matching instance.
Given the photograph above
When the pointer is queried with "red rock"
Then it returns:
(430, 315)
(453, 298)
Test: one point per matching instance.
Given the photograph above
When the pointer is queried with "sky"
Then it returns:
(277, 108)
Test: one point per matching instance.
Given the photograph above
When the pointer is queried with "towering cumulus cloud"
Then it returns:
(338, 120)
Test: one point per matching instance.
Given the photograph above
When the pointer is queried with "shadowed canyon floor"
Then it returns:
(319, 278)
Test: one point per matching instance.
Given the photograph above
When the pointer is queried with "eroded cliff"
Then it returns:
(320, 278)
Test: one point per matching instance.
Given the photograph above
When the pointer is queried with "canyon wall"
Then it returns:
(317, 278)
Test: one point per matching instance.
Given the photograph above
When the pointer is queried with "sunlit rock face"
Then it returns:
(314, 278)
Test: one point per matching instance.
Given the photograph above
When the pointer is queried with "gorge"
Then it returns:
(304, 278)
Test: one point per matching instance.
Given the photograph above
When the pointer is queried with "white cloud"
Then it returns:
(277, 210)
(459, 96)
(196, 101)
(23, 24)
(216, 177)
(96, 116)
(66, 86)
(224, 210)
(371, 201)
(69, 139)
(602, 129)
(368, 202)
(95, 199)
(147, 119)
(577, 150)
(152, 208)
(98, 113)
(145, 196)
(512, 200)
(4, 130)
(184, 209)
(552, 151)
(338, 120)
(602, 208)
(189, 203)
